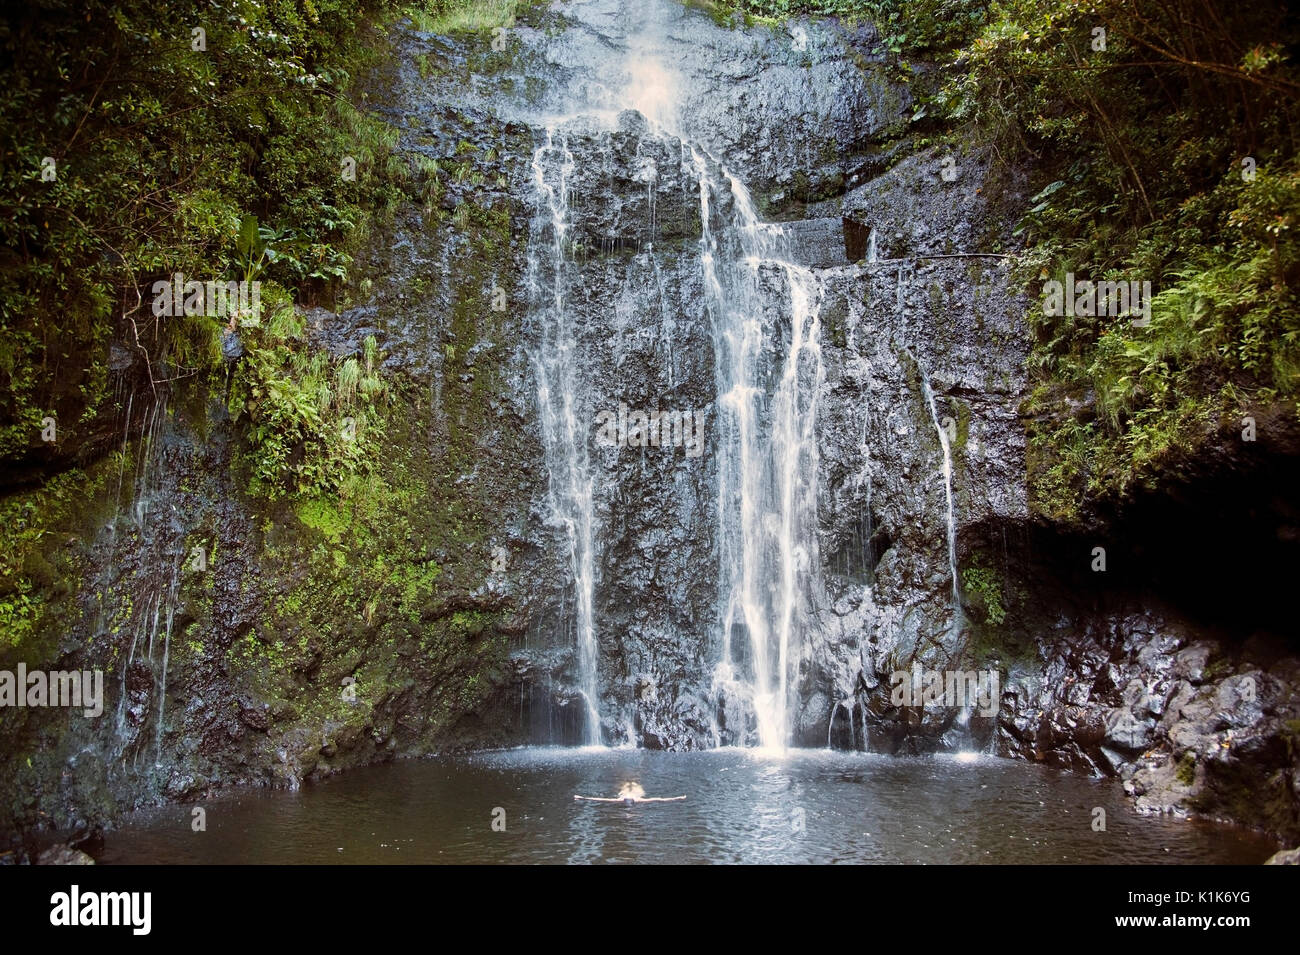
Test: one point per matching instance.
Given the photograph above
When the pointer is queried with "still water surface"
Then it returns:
(741, 806)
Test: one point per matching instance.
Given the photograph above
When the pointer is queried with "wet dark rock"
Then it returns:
(182, 786)
(1190, 664)
(121, 357)
(254, 717)
(231, 346)
(818, 243)
(63, 855)
(1126, 731)
(933, 203)
(1215, 748)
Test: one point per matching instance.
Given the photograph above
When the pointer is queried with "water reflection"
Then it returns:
(802, 806)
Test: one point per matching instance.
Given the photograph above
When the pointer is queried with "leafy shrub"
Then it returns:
(983, 588)
(311, 421)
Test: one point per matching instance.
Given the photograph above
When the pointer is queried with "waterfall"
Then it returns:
(149, 595)
(849, 707)
(767, 379)
(764, 314)
(556, 366)
(945, 443)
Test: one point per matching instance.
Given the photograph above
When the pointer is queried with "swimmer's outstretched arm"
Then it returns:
(635, 799)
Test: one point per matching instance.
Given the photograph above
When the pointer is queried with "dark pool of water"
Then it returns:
(741, 806)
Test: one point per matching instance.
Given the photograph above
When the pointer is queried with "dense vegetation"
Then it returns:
(224, 142)
(1163, 138)
(140, 140)
(146, 139)
(1172, 159)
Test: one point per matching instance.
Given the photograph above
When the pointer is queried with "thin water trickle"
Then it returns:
(161, 685)
(945, 442)
(146, 596)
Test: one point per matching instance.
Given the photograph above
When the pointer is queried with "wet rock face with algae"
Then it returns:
(433, 609)
(257, 641)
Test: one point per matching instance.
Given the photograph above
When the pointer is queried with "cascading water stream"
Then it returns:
(556, 364)
(765, 321)
(154, 586)
(767, 458)
(945, 442)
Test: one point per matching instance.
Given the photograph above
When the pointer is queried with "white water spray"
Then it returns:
(768, 380)
(556, 367)
(764, 311)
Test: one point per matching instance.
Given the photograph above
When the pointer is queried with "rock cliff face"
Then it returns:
(445, 613)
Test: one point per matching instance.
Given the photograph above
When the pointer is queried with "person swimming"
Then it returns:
(629, 795)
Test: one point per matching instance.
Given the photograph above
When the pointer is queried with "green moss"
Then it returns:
(962, 436)
(325, 516)
(1186, 771)
(472, 624)
(33, 567)
(366, 578)
(983, 589)
(722, 12)
(834, 319)
(1218, 669)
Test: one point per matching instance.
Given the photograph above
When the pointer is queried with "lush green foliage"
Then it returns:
(983, 587)
(135, 148)
(313, 422)
(1142, 144)
(452, 16)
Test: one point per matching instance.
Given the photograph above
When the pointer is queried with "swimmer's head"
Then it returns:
(631, 790)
